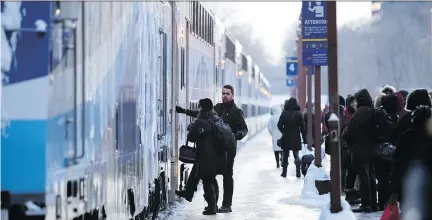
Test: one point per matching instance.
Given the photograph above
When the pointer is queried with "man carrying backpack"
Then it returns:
(233, 116)
(360, 134)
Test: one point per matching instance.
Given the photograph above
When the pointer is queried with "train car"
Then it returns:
(89, 89)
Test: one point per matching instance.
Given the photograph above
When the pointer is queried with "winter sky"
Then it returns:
(272, 21)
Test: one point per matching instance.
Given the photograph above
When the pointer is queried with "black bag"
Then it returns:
(381, 125)
(187, 154)
(387, 151)
(279, 143)
(223, 135)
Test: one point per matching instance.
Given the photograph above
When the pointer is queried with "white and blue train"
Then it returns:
(89, 89)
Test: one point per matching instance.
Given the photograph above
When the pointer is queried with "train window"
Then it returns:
(244, 64)
(200, 21)
(195, 17)
(206, 28)
(230, 49)
(182, 67)
(164, 84)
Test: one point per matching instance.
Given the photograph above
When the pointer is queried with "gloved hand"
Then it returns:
(239, 135)
(180, 109)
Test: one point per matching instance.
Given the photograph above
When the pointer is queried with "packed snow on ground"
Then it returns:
(345, 214)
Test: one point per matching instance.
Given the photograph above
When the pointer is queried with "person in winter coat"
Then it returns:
(383, 167)
(211, 159)
(324, 128)
(417, 188)
(291, 125)
(274, 131)
(415, 98)
(377, 100)
(349, 171)
(404, 94)
(401, 104)
(411, 146)
(388, 89)
(364, 148)
(233, 116)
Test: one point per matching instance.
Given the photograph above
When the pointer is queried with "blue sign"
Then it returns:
(292, 66)
(290, 82)
(314, 33)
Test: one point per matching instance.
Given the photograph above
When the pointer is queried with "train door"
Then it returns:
(183, 95)
(67, 83)
(162, 107)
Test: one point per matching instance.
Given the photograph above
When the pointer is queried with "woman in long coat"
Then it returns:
(291, 124)
(274, 131)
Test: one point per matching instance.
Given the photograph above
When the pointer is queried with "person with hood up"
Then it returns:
(291, 125)
(404, 94)
(274, 131)
(388, 89)
(210, 158)
(412, 145)
(358, 135)
(350, 179)
(401, 105)
(415, 98)
(383, 167)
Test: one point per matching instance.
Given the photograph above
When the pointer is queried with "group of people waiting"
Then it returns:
(368, 178)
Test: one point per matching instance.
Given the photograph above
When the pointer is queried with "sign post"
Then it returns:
(314, 54)
(335, 173)
(291, 71)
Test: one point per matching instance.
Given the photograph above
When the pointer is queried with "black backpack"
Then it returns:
(223, 135)
(381, 125)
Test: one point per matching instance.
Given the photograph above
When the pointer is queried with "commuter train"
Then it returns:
(89, 89)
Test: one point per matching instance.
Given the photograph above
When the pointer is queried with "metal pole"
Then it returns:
(317, 116)
(301, 75)
(309, 105)
(335, 171)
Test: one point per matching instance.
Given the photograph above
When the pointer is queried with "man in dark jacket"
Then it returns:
(233, 116)
(364, 149)
(210, 158)
(291, 125)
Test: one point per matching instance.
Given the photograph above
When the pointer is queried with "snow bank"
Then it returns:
(345, 214)
(309, 194)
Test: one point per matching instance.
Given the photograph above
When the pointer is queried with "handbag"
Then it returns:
(187, 154)
(387, 151)
(279, 142)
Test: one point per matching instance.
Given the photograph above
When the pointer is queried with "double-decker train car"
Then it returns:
(89, 89)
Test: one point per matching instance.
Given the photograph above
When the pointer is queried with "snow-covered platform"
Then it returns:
(260, 192)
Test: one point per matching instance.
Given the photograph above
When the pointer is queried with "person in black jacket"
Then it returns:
(210, 158)
(291, 125)
(364, 149)
(383, 167)
(233, 116)
(415, 98)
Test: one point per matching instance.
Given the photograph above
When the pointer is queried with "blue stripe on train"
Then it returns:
(23, 157)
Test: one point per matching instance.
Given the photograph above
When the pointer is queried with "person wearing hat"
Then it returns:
(233, 116)
(210, 160)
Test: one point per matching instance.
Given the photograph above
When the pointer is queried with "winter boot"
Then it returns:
(183, 194)
(298, 174)
(298, 165)
(284, 172)
(211, 209)
(224, 209)
(352, 196)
